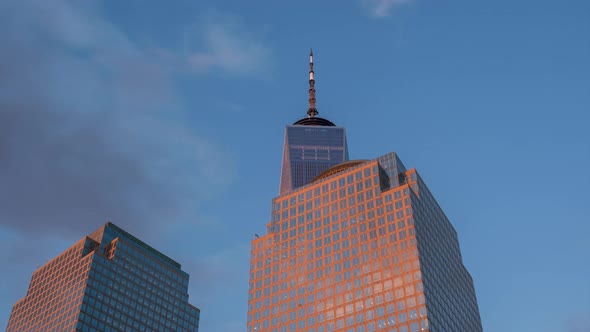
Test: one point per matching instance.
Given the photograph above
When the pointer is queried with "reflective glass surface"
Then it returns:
(308, 151)
(109, 281)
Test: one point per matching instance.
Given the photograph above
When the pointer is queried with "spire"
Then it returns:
(311, 111)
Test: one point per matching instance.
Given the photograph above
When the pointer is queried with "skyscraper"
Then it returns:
(107, 281)
(362, 246)
(312, 145)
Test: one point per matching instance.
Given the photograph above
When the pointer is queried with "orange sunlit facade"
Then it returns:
(355, 245)
(108, 281)
(343, 254)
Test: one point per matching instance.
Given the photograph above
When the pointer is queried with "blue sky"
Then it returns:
(167, 118)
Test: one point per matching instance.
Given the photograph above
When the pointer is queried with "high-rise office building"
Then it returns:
(312, 145)
(360, 247)
(107, 281)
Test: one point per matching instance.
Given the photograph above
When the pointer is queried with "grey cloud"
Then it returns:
(578, 322)
(84, 135)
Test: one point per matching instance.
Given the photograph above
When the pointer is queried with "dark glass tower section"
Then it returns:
(107, 281)
(312, 145)
(309, 150)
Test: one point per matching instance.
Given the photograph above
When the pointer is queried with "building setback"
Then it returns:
(362, 246)
(107, 281)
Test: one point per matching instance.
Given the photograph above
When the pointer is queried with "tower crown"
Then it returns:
(311, 111)
(312, 145)
(312, 119)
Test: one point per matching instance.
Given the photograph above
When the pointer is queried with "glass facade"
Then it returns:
(308, 151)
(108, 281)
(449, 290)
(361, 250)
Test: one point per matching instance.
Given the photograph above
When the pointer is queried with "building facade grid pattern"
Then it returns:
(343, 254)
(109, 281)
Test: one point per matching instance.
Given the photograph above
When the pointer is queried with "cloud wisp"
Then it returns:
(382, 8)
(227, 46)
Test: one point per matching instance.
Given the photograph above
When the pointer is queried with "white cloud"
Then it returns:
(382, 8)
(228, 45)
